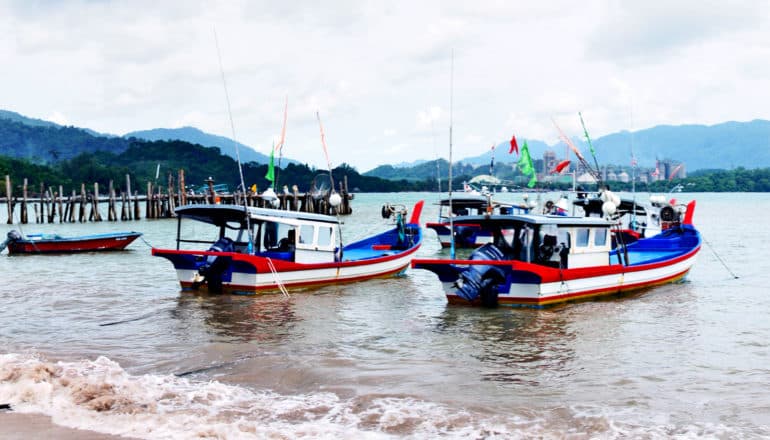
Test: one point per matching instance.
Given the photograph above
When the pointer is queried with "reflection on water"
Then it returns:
(234, 318)
(513, 345)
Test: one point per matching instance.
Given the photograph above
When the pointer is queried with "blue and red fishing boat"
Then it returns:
(57, 244)
(468, 234)
(246, 250)
(540, 260)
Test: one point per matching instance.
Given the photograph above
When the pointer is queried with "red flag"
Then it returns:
(514, 145)
(560, 167)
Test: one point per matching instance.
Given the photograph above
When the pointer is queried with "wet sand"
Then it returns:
(16, 426)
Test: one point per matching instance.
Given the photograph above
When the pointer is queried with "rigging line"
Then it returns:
(451, 98)
(735, 277)
(235, 142)
(277, 279)
(331, 178)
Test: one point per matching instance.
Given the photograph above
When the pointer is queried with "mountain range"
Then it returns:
(45, 141)
(721, 146)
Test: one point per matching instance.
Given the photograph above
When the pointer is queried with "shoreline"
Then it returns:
(24, 426)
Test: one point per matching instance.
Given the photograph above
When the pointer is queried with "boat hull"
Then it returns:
(526, 284)
(102, 242)
(250, 274)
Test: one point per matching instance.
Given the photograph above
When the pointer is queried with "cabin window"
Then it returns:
(306, 234)
(581, 239)
(600, 237)
(324, 236)
(273, 232)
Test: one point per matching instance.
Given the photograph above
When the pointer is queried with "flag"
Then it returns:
(560, 167)
(271, 167)
(674, 172)
(567, 141)
(633, 161)
(590, 145)
(283, 130)
(514, 145)
(525, 165)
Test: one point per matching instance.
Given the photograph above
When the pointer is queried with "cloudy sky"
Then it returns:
(379, 72)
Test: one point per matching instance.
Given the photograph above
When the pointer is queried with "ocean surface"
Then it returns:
(108, 342)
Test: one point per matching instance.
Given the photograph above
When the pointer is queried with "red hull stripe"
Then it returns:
(187, 285)
(550, 275)
(586, 294)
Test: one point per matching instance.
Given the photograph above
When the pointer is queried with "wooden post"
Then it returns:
(171, 197)
(182, 189)
(51, 197)
(8, 198)
(39, 216)
(148, 203)
(128, 192)
(111, 212)
(61, 210)
(82, 216)
(24, 203)
(137, 211)
(123, 210)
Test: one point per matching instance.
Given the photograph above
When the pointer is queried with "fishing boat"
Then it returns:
(637, 218)
(539, 260)
(53, 243)
(464, 206)
(247, 250)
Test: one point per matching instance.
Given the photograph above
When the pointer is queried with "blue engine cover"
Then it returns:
(478, 277)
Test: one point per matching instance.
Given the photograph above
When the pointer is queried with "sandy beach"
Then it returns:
(15, 426)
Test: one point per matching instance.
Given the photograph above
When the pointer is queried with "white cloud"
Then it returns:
(379, 73)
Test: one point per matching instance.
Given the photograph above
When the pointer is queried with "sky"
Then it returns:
(387, 78)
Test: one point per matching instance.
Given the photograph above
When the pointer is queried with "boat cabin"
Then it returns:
(550, 240)
(290, 236)
(470, 204)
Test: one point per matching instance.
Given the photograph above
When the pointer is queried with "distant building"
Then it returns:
(672, 169)
(549, 161)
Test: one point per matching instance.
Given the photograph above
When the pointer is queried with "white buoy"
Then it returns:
(335, 200)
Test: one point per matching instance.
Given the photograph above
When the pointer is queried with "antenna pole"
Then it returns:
(451, 212)
(237, 153)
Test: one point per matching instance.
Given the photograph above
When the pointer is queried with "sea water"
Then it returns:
(107, 342)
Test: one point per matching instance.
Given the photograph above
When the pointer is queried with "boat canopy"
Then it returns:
(535, 219)
(220, 215)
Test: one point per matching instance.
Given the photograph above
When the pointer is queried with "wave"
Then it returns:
(99, 395)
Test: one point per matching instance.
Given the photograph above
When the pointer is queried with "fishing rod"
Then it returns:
(332, 193)
(594, 173)
(281, 142)
(235, 143)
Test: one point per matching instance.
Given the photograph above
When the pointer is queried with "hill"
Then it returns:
(196, 136)
(49, 143)
(700, 147)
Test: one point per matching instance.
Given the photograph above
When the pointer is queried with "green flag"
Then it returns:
(525, 165)
(271, 168)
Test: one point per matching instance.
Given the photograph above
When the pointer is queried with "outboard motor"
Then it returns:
(216, 265)
(13, 235)
(481, 280)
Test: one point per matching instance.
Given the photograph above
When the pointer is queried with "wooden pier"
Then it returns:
(51, 205)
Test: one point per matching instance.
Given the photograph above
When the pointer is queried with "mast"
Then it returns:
(451, 212)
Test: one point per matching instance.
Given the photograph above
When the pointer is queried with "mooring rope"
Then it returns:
(277, 278)
(735, 277)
